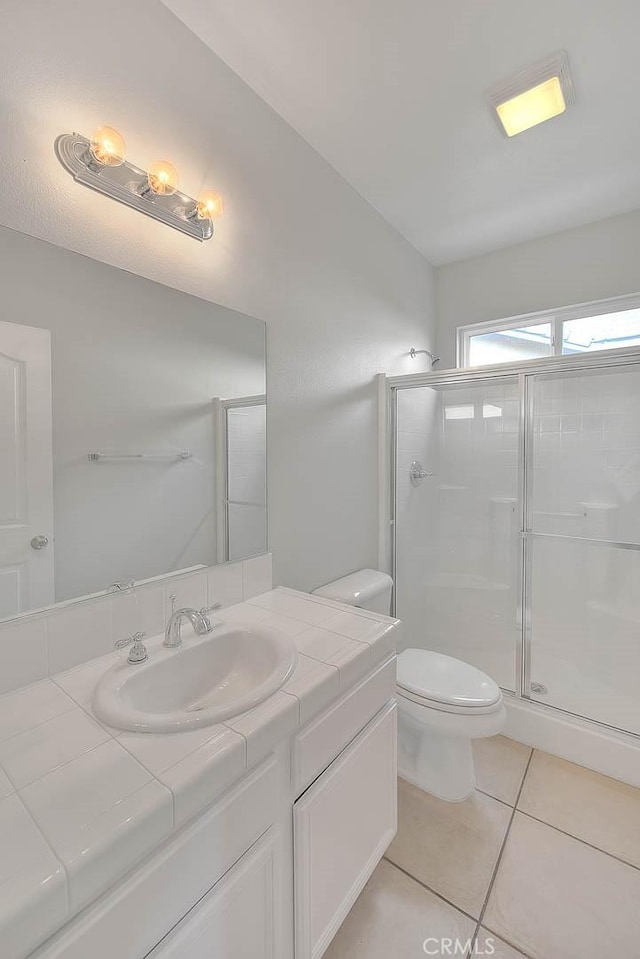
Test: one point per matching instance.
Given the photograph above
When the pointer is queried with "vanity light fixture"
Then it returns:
(100, 163)
(162, 178)
(107, 147)
(536, 94)
(210, 205)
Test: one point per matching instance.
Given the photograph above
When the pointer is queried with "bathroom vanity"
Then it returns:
(249, 838)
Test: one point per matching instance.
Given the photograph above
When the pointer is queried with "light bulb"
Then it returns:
(163, 178)
(107, 146)
(210, 205)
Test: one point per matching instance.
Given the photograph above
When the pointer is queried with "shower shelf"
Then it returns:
(95, 457)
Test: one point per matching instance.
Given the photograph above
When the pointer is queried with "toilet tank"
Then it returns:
(366, 588)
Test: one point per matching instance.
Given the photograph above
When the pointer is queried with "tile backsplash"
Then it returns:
(42, 643)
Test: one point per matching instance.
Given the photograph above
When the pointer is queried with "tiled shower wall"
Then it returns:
(587, 455)
(42, 643)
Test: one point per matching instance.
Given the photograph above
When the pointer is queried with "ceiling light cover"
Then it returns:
(534, 95)
(532, 107)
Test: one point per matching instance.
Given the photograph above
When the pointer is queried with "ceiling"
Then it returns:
(392, 94)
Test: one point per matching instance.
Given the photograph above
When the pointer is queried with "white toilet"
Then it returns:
(443, 703)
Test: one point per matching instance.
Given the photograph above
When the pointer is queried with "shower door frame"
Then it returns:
(524, 371)
(221, 409)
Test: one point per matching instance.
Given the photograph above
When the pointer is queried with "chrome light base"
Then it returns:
(128, 184)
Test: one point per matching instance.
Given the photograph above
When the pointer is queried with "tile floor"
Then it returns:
(543, 862)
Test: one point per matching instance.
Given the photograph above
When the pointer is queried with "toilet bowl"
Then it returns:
(443, 703)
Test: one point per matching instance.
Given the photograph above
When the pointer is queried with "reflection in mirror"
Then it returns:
(132, 428)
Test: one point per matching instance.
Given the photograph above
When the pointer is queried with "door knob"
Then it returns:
(39, 542)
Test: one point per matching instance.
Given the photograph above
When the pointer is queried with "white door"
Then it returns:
(235, 920)
(342, 826)
(26, 476)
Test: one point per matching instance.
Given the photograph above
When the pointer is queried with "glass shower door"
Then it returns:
(457, 528)
(583, 544)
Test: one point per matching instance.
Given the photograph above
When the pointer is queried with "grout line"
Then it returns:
(54, 853)
(61, 765)
(502, 848)
(42, 722)
(429, 889)
(504, 802)
(570, 835)
(494, 935)
(345, 649)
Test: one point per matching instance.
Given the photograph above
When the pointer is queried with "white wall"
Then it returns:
(135, 367)
(344, 295)
(590, 263)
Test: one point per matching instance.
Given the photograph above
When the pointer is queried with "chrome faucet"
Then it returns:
(198, 619)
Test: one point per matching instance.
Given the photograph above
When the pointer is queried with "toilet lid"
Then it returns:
(444, 679)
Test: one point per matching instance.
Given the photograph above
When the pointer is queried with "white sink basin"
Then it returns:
(206, 680)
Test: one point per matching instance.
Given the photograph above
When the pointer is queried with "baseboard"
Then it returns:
(606, 751)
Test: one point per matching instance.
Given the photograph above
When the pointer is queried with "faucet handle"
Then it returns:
(210, 609)
(205, 611)
(138, 652)
(172, 600)
(128, 640)
(121, 643)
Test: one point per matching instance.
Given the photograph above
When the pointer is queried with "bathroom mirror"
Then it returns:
(132, 428)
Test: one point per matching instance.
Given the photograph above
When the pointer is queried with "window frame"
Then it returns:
(556, 318)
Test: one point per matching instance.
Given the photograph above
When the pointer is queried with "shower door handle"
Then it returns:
(417, 473)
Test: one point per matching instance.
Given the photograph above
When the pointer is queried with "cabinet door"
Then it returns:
(342, 826)
(235, 920)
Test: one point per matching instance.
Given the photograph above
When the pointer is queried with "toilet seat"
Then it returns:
(441, 682)
(435, 707)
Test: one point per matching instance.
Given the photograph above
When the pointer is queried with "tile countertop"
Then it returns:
(81, 803)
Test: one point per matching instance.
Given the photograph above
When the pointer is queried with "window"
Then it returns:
(607, 325)
(507, 346)
(610, 331)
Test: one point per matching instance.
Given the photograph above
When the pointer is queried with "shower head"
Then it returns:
(434, 359)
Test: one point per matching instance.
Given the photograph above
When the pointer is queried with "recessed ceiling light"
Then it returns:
(534, 95)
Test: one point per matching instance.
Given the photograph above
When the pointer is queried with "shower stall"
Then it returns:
(515, 526)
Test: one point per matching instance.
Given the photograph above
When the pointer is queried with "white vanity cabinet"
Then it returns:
(201, 877)
(270, 870)
(344, 766)
(236, 919)
(342, 825)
